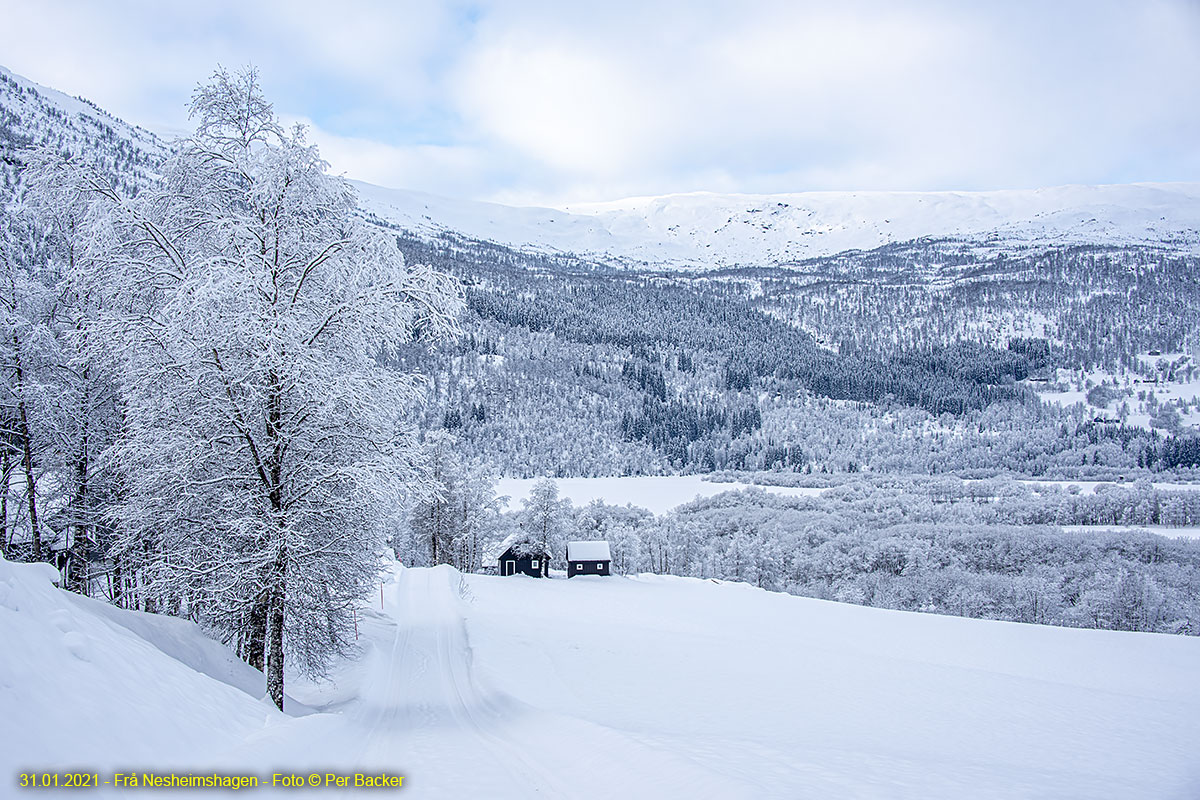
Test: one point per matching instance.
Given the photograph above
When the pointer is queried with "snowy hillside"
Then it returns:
(712, 230)
(85, 684)
(32, 115)
(645, 687)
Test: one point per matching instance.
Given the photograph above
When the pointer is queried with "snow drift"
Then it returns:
(84, 684)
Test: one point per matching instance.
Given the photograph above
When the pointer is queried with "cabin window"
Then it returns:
(535, 563)
(579, 566)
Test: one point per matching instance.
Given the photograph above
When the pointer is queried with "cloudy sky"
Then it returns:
(549, 102)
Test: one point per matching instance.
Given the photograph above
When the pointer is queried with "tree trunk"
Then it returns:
(116, 588)
(256, 638)
(275, 631)
(26, 452)
(6, 474)
(433, 534)
(77, 563)
(277, 581)
(30, 487)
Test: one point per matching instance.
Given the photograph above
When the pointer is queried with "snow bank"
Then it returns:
(92, 686)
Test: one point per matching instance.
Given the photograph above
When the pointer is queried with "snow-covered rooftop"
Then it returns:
(493, 550)
(588, 551)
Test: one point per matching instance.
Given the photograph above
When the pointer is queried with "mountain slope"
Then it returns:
(711, 230)
(32, 115)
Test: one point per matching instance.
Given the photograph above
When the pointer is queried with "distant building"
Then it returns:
(514, 555)
(526, 560)
(588, 558)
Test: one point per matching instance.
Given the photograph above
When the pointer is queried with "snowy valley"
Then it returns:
(902, 488)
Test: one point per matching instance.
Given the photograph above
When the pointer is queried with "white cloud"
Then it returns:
(544, 102)
(438, 169)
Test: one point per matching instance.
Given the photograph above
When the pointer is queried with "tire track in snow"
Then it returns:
(431, 683)
(434, 592)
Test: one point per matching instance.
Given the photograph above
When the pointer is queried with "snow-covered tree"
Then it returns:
(79, 414)
(32, 360)
(265, 446)
(451, 525)
(545, 516)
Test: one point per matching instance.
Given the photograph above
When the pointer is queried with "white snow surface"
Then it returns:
(656, 493)
(1179, 532)
(594, 550)
(476, 686)
(84, 685)
(702, 230)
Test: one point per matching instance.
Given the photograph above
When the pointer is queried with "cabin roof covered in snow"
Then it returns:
(588, 551)
(492, 551)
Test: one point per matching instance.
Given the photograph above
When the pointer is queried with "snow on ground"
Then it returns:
(703, 229)
(798, 698)
(85, 685)
(1180, 393)
(1182, 532)
(644, 687)
(656, 493)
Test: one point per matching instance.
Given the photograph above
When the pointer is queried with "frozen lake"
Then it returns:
(656, 493)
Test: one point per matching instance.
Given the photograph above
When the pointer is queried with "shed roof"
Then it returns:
(588, 551)
(493, 551)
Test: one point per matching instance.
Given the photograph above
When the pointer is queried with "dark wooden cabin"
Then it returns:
(534, 563)
(588, 558)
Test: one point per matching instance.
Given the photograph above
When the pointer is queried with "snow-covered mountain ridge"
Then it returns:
(701, 230)
(697, 230)
(32, 115)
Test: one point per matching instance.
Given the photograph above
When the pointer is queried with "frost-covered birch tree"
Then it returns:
(265, 446)
(26, 351)
(451, 525)
(544, 518)
(78, 397)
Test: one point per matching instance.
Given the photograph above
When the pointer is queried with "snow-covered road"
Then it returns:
(417, 706)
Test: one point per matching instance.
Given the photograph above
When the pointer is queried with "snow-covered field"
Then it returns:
(646, 687)
(656, 493)
(1180, 393)
(1183, 532)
